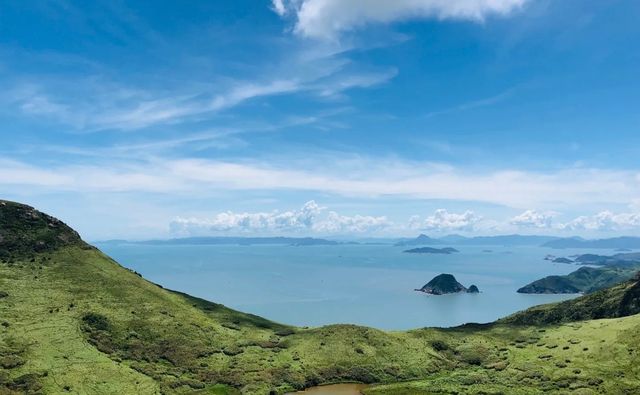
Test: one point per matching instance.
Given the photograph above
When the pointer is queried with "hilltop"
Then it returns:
(24, 231)
(74, 321)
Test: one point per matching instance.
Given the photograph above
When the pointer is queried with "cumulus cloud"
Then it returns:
(249, 222)
(605, 221)
(336, 223)
(325, 19)
(534, 219)
(443, 220)
(309, 218)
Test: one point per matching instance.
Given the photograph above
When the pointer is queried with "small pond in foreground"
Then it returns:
(334, 389)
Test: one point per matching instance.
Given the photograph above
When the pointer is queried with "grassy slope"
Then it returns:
(618, 301)
(74, 321)
(599, 356)
(152, 339)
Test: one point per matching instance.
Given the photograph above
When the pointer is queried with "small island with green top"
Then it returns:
(446, 284)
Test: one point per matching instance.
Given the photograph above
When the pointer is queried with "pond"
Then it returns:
(334, 389)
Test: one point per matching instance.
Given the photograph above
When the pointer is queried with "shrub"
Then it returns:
(11, 361)
(232, 350)
(472, 354)
(439, 345)
(284, 332)
(27, 383)
(96, 321)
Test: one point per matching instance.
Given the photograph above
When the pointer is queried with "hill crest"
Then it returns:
(25, 231)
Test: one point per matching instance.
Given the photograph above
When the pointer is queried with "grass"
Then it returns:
(72, 320)
(598, 356)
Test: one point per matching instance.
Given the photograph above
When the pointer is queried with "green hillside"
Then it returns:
(618, 301)
(583, 280)
(75, 321)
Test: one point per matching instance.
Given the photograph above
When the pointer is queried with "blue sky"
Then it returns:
(323, 117)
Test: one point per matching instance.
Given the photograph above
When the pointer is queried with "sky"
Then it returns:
(323, 117)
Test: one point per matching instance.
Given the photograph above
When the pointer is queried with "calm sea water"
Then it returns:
(361, 284)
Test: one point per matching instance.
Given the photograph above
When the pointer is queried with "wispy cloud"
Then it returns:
(279, 7)
(344, 176)
(99, 106)
(485, 102)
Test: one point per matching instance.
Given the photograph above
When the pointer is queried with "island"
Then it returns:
(624, 242)
(473, 289)
(430, 250)
(446, 284)
(620, 259)
(583, 280)
(562, 260)
(422, 239)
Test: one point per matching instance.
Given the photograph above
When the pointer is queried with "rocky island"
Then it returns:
(430, 250)
(446, 284)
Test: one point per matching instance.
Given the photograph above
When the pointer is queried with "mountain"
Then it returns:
(507, 240)
(503, 240)
(583, 280)
(294, 241)
(422, 239)
(626, 242)
(452, 239)
(72, 320)
(445, 284)
(430, 250)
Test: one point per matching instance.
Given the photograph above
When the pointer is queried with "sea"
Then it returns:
(372, 285)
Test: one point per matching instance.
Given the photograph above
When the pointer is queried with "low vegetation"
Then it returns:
(74, 321)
